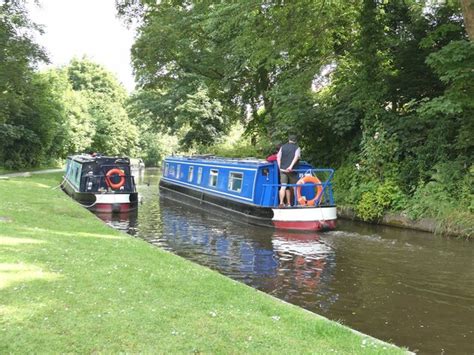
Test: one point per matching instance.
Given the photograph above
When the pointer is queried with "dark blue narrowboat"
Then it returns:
(100, 183)
(249, 187)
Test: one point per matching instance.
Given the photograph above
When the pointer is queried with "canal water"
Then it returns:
(410, 288)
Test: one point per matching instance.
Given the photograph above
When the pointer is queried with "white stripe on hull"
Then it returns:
(304, 214)
(112, 198)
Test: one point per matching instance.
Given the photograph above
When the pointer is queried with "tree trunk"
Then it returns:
(467, 7)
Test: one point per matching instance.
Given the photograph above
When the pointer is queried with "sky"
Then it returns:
(74, 28)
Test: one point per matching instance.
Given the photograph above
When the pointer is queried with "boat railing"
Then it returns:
(325, 198)
(97, 183)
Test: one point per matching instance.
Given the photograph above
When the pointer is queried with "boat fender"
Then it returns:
(319, 190)
(110, 173)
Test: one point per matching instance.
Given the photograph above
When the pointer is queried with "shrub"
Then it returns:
(344, 180)
(450, 188)
(373, 204)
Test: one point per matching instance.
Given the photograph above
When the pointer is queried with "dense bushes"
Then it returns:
(447, 196)
(414, 107)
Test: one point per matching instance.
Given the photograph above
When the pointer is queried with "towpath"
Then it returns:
(29, 173)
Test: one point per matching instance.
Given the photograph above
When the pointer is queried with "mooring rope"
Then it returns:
(60, 185)
(87, 206)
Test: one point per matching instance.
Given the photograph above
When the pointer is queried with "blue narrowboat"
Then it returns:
(249, 187)
(100, 183)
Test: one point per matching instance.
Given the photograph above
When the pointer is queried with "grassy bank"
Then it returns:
(69, 283)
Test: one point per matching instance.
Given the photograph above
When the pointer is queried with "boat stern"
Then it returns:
(115, 202)
(321, 218)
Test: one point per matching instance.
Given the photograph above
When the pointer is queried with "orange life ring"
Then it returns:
(319, 190)
(110, 173)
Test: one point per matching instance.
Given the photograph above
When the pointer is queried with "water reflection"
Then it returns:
(138, 175)
(307, 265)
(296, 267)
(124, 221)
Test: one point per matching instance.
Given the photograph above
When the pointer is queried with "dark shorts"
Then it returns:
(288, 178)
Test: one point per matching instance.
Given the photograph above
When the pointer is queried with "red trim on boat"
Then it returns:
(306, 225)
(112, 207)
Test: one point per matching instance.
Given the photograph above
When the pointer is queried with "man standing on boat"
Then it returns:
(288, 157)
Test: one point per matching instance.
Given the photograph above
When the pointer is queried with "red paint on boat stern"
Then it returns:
(112, 207)
(306, 225)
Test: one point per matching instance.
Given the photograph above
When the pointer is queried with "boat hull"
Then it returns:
(291, 218)
(103, 202)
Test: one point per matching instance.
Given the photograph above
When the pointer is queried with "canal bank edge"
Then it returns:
(392, 219)
(363, 335)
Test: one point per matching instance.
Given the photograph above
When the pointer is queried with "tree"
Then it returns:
(112, 132)
(153, 146)
(248, 55)
(29, 120)
(468, 14)
(204, 117)
(19, 55)
(85, 75)
(78, 129)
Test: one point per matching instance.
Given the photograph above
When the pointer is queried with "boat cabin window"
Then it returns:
(178, 171)
(190, 173)
(213, 177)
(78, 173)
(167, 166)
(199, 175)
(68, 166)
(235, 182)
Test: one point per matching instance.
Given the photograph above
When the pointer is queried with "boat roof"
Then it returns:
(98, 158)
(213, 160)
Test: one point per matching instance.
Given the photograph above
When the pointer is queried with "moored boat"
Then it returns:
(100, 183)
(137, 164)
(249, 187)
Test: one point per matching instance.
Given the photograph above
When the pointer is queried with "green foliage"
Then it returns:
(35, 133)
(114, 133)
(346, 176)
(156, 139)
(28, 119)
(457, 222)
(85, 75)
(155, 147)
(378, 154)
(93, 104)
(45, 116)
(19, 55)
(452, 112)
(451, 187)
(78, 129)
(237, 144)
(204, 117)
(20, 146)
(374, 203)
(256, 61)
